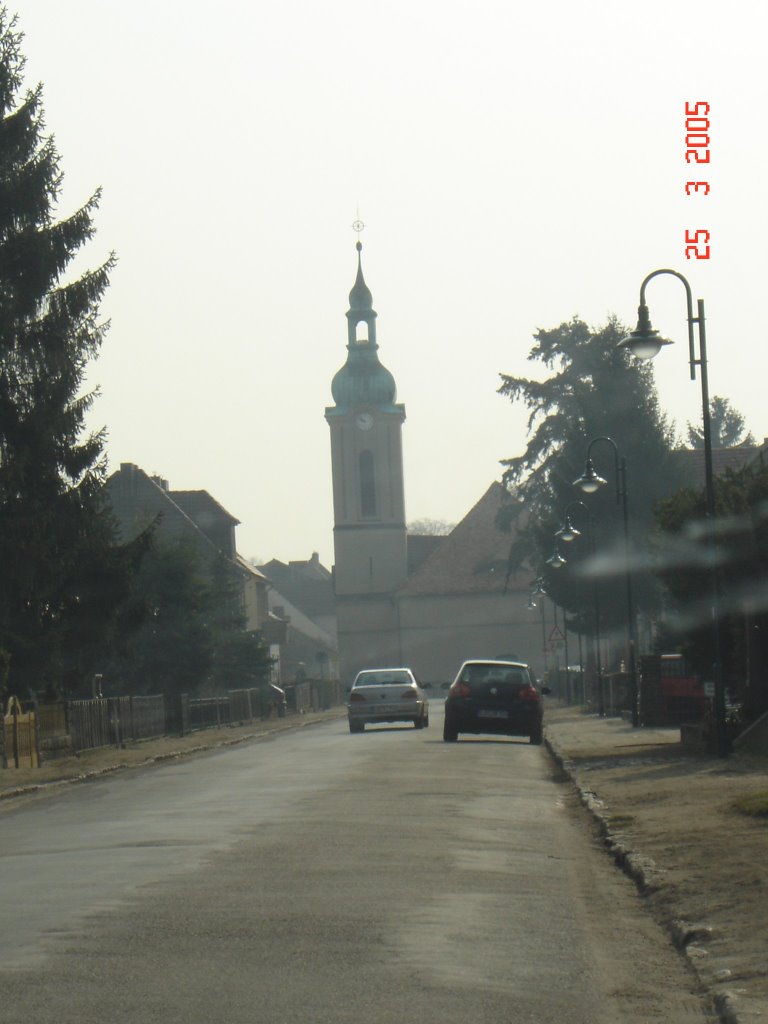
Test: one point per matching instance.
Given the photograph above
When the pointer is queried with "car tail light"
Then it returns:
(459, 689)
(529, 693)
(408, 695)
(355, 697)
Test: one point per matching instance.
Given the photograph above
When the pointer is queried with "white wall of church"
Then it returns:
(439, 633)
(369, 560)
(368, 635)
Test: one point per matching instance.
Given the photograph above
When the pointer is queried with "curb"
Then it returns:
(645, 874)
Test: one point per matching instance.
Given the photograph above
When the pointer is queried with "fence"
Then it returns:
(67, 727)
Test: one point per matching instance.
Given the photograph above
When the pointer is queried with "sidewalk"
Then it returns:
(669, 820)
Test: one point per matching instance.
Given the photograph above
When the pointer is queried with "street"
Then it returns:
(324, 877)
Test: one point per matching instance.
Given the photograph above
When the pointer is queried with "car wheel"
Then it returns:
(537, 738)
(357, 726)
(426, 721)
(418, 723)
(450, 735)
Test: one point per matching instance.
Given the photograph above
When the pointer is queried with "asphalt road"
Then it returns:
(323, 877)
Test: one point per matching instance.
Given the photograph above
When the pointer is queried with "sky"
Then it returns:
(514, 167)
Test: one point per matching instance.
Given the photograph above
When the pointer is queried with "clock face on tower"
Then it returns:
(364, 420)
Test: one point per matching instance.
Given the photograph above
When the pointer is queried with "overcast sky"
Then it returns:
(513, 168)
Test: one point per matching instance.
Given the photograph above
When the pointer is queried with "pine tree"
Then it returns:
(727, 425)
(60, 578)
(594, 389)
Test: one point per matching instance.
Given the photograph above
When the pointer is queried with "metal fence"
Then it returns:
(70, 726)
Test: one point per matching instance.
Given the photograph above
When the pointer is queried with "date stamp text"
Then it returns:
(697, 151)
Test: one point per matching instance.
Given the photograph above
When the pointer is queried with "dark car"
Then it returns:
(498, 697)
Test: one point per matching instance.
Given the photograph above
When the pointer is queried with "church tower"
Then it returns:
(368, 500)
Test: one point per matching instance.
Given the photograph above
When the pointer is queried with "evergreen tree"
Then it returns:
(191, 634)
(594, 389)
(727, 425)
(240, 658)
(171, 650)
(60, 579)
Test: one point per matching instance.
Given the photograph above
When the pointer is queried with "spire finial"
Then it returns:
(358, 226)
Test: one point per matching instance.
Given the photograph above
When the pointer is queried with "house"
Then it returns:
(138, 500)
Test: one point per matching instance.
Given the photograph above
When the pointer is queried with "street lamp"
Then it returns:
(539, 591)
(644, 343)
(556, 560)
(568, 533)
(589, 482)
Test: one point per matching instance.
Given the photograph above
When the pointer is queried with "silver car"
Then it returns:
(386, 695)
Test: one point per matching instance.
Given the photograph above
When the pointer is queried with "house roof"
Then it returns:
(472, 559)
(307, 584)
(137, 498)
(250, 570)
(200, 505)
(281, 607)
(691, 460)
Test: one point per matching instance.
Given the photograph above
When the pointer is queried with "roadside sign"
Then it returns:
(556, 640)
(709, 689)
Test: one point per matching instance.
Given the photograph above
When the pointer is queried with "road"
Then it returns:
(323, 877)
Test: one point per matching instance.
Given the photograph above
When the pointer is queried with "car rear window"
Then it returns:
(382, 678)
(487, 674)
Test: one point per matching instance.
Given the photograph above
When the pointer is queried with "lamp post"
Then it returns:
(568, 533)
(556, 561)
(644, 343)
(589, 482)
(539, 591)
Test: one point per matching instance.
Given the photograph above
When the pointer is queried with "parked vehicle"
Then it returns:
(494, 696)
(386, 695)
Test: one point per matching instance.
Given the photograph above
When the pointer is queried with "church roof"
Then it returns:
(472, 559)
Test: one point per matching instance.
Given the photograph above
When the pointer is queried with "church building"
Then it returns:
(398, 601)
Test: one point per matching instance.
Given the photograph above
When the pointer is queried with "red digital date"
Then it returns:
(697, 143)
(697, 129)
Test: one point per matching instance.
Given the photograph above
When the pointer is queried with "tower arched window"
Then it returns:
(361, 332)
(367, 485)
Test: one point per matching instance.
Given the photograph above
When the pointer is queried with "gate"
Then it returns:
(20, 736)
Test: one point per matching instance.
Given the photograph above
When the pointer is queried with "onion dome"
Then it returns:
(362, 380)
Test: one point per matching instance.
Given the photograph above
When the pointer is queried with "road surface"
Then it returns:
(322, 877)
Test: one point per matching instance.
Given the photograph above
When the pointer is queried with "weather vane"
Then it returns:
(357, 224)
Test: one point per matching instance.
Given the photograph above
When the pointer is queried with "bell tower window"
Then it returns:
(361, 332)
(367, 485)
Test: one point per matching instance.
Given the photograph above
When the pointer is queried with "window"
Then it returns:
(367, 485)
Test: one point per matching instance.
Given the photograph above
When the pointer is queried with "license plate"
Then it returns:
(492, 714)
